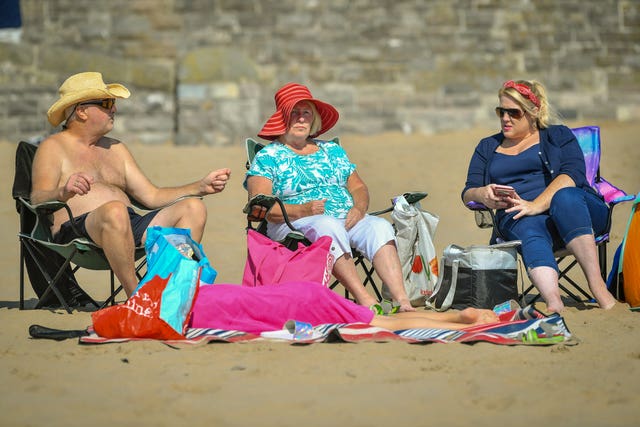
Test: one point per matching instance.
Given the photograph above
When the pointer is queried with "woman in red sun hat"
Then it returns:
(322, 192)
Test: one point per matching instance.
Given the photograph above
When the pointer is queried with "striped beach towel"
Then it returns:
(524, 326)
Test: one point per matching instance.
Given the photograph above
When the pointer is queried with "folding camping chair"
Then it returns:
(589, 139)
(49, 264)
(257, 208)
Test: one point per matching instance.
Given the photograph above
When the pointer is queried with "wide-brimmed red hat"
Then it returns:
(286, 98)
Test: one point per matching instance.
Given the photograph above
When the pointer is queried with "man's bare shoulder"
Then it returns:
(54, 139)
(65, 142)
(53, 145)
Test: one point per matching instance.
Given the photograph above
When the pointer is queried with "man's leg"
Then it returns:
(109, 227)
(188, 213)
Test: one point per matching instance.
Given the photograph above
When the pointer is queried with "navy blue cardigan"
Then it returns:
(559, 152)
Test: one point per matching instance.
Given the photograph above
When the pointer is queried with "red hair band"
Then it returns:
(524, 90)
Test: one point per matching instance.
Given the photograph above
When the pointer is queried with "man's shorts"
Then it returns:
(139, 224)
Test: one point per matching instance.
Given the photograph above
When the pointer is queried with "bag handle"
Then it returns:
(256, 237)
(521, 295)
(446, 304)
(280, 270)
(448, 300)
(273, 245)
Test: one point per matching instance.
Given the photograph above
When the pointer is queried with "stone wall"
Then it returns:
(205, 71)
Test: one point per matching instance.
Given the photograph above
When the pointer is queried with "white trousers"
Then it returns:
(367, 236)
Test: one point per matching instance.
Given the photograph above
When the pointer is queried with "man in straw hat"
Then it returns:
(93, 174)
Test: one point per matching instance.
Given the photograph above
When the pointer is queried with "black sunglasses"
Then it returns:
(107, 103)
(515, 113)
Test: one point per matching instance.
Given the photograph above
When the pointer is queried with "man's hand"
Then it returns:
(78, 183)
(215, 182)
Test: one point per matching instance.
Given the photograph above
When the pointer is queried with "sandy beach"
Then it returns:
(594, 383)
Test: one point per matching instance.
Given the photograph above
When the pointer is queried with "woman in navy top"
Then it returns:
(551, 205)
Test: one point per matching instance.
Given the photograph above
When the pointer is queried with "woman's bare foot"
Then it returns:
(405, 306)
(607, 303)
(556, 307)
(475, 316)
(603, 297)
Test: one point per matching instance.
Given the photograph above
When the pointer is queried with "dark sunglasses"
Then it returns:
(107, 103)
(512, 112)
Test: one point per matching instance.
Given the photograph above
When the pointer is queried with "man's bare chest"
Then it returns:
(104, 169)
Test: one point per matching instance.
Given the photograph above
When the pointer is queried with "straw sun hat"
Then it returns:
(286, 98)
(83, 87)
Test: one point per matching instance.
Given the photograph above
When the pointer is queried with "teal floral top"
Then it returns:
(300, 179)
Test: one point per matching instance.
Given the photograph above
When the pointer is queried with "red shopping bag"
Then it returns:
(269, 262)
(139, 316)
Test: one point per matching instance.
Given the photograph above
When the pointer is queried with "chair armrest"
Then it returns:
(610, 192)
(476, 206)
(259, 206)
(414, 196)
(485, 217)
(256, 210)
(44, 210)
(44, 207)
(411, 197)
(625, 198)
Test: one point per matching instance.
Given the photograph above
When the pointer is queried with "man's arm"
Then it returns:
(143, 190)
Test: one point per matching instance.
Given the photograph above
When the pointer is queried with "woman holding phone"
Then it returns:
(533, 174)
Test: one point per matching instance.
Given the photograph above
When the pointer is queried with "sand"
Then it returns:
(594, 383)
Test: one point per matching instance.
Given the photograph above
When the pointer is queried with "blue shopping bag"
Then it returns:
(171, 252)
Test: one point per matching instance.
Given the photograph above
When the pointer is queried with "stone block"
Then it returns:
(165, 20)
(153, 74)
(216, 64)
(131, 26)
(221, 90)
(17, 55)
(148, 49)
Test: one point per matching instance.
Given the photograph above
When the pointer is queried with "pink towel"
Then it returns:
(267, 308)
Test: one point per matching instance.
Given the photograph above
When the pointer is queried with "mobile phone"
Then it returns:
(504, 190)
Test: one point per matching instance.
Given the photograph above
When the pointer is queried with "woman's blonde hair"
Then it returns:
(316, 125)
(544, 114)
